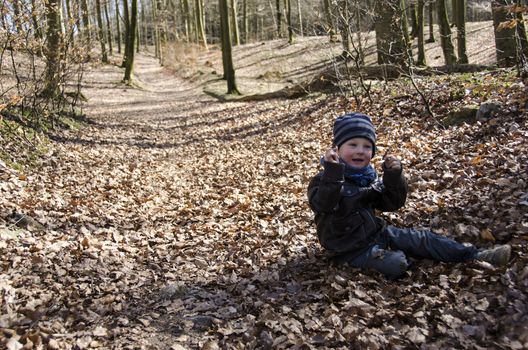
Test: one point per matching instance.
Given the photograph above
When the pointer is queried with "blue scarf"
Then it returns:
(361, 177)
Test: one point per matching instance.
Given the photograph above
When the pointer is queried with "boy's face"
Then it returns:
(356, 152)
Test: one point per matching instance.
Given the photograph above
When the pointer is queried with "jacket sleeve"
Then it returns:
(394, 193)
(324, 191)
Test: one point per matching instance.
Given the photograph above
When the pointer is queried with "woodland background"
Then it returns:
(153, 171)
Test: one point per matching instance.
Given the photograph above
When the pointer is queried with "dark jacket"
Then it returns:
(344, 212)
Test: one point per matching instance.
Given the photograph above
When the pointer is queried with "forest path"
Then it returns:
(168, 191)
(157, 92)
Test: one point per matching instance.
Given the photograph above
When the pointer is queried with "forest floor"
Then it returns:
(171, 220)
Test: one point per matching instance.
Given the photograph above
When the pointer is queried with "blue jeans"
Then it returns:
(420, 243)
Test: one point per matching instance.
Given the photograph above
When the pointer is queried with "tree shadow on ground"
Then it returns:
(222, 134)
(199, 310)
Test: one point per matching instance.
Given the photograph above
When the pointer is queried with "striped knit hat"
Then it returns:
(354, 125)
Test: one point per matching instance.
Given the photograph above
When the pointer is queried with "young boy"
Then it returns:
(345, 194)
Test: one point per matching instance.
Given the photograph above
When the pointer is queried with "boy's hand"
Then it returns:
(392, 163)
(331, 155)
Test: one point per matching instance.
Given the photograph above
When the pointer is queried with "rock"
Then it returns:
(210, 345)
(266, 340)
(465, 114)
(173, 290)
(202, 322)
(27, 222)
(488, 110)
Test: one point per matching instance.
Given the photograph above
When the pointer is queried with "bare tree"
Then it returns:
(279, 18)
(186, 13)
(229, 70)
(507, 46)
(300, 18)
(118, 26)
(344, 27)
(108, 27)
(53, 49)
(200, 27)
(421, 60)
(86, 20)
(34, 21)
(100, 31)
(414, 20)
(287, 6)
(234, 23)
(330, 23)
(460, 17)
(245, 21)
(390, 39)
(129, 65)
(445, 34)
(430, 12)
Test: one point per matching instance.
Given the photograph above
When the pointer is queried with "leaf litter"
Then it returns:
(178, 222)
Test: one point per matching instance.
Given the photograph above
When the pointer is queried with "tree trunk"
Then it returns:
(165, 32)
(404, 26)
(159, 34)
(414, 20)
(199, 24)
(127, 32)
(454, 10)
(287, 6)
(234, 23)
(505, 45)
(245, 21)
(155, 33)
(445, 34)
(108, 28)
(53, 49)
(138, 41)
(359, 39)
(34, 21)
(175, 16)
(144, 24)
(431, 21)
(273, 17)
(329, 20)
(69, 22)
(164, 9)
(17, 20)
(229, 71)
(460, 12)
(86, 21)
(344, 27)
(118, 27)
(521, 33)
(420, 34)
(300, 18)
(186, 14)
(390, 41)
(279, 19)
(129, 66)
(100, 31)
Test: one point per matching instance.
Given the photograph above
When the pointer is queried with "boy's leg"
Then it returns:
(392, 264)
(426, 244)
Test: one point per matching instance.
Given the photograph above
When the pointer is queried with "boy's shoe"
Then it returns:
(498, 256)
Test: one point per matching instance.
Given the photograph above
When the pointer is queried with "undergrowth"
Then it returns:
(24, 138)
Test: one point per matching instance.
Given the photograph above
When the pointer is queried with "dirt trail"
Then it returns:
(160, 94)
(142, 206)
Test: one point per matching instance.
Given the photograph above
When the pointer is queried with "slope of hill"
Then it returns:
(267, 67)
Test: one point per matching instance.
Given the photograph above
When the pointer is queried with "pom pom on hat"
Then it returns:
(354, 125)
